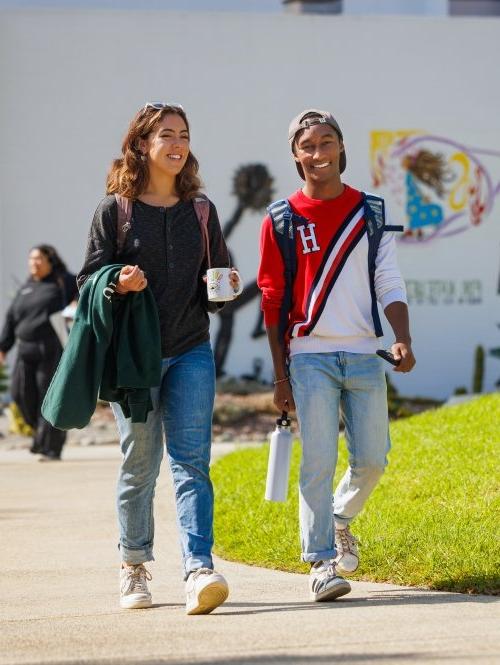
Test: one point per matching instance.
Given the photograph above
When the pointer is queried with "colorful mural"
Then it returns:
(440, 186)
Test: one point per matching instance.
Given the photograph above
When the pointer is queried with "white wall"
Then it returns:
(422, 7)
(71, 80)
(177, 5)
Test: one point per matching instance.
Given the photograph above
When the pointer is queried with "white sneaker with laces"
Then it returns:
(324, 582)
(347, 558)
(134, 592)
(205, 590)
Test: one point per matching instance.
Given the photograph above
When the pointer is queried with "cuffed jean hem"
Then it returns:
(341, 522)
(136, 556)
(325, 555)
(195, 563)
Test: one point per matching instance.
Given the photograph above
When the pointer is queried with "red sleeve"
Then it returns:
(271, 276)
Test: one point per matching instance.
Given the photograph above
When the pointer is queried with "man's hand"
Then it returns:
(131, 278)
(3, 356)
(283, 397)
(402, 350)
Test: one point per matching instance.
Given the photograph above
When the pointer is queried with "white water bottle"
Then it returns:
(278, 465)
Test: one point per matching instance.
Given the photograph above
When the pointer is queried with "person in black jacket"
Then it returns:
(163, 248)
(48, 289)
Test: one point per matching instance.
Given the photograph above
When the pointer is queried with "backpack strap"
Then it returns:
(374, 213)
(201, 206)
(123, 221)
(282, 218)
(202, 209)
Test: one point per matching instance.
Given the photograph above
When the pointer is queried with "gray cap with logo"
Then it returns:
(307, 119)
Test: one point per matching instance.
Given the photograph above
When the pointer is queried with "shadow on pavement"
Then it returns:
(283, 659)
(376, 599)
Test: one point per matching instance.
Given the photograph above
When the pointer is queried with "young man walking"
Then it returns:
(326, 259)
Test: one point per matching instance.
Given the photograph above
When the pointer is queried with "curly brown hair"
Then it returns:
(129, 174)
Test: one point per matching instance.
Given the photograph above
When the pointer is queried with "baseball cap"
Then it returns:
(307, 119)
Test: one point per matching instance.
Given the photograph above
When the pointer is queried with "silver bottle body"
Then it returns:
(278, 465)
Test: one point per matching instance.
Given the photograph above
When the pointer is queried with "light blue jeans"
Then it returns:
(323, 385)
(182, 414)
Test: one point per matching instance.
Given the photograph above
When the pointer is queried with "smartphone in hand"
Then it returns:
(387, 355)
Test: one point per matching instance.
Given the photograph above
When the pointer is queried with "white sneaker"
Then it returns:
(134, 592)
(347, 558)
(205, 590)
(325, 584)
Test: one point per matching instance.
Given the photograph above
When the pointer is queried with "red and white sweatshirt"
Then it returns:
(332, 303)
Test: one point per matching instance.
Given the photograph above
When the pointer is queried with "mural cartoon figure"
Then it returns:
(252, 185)
(441, 186)
(430, 170)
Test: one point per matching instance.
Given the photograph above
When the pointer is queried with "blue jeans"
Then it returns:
(182, 412)
(324, 384)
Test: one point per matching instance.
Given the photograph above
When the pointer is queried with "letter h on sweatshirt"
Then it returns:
(306, 238)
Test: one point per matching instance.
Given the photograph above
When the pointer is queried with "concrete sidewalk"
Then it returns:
(59, 591)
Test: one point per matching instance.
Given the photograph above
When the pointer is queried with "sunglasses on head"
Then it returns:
(158, 106)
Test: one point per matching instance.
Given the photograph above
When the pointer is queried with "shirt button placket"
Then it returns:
(170, 247)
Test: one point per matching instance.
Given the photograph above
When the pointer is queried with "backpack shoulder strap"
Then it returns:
(123, 220)
(374, 213)
(202, 209)
(281, 215)
(282, 218)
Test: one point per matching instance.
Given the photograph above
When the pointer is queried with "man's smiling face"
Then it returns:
(317, 149)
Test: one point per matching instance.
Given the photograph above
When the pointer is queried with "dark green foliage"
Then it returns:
(3, 379)
(253, 186)
(477, 379)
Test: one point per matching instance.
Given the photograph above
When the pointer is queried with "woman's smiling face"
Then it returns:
(167, 145)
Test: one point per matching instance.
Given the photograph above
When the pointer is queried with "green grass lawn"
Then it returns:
(432, 521)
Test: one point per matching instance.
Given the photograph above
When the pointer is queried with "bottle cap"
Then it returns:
(283, 420)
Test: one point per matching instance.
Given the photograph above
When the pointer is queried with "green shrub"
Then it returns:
(3, 379)
(477, 379)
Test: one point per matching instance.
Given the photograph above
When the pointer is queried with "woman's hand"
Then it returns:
(234, 279)
(236, 282)
(131, 279)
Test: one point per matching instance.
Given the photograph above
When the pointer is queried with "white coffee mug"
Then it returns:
(219, 286)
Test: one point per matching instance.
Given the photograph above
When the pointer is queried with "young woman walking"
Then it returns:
(164, 249)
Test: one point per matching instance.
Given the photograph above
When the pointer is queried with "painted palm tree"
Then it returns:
(253, 188)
